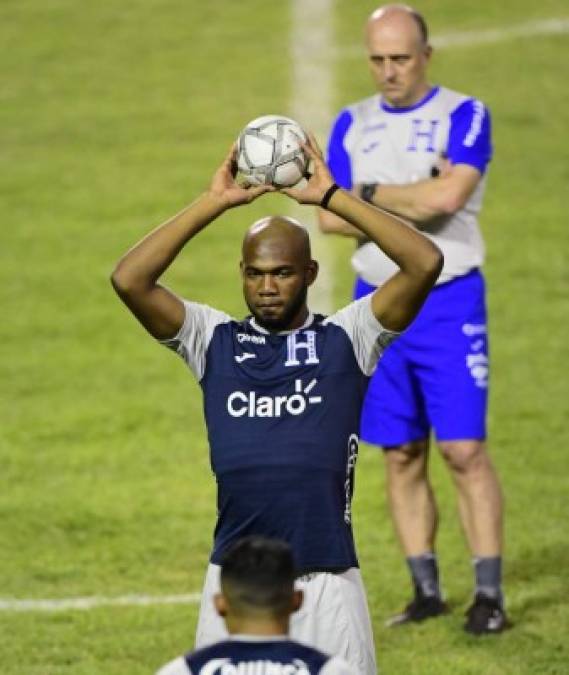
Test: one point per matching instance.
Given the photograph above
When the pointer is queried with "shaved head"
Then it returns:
(403, 15)
(279, 235)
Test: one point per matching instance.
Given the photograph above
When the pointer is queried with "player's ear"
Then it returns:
(297, 598)
(311, 272)
(220, 604)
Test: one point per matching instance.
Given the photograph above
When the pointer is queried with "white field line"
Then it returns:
(311, 40)
(311, 47)
(474, 38)
(65, 604)
(529, 29)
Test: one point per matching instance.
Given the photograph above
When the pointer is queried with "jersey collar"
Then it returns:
(242, 637)
(260, 329)
(390, 109)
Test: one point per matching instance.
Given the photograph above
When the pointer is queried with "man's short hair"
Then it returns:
(421, 25)
(257, 575)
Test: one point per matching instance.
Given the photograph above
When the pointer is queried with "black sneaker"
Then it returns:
(420, 608)
(485, 615)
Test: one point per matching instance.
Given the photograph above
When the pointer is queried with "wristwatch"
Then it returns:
(367, 191)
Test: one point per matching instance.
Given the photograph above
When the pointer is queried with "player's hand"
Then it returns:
(224, 187)
(318, 182)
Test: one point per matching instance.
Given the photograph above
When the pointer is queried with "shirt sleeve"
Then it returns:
(176, 667)
(194, 336)
(337, 666)
(338, 158)
(369, 338)
(470, 135)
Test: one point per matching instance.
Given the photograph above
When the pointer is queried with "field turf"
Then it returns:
(113, 116)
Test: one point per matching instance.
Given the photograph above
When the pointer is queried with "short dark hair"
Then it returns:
(421, 24)
(257, 575)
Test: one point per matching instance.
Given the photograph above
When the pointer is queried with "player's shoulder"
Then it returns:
(364, 108)
(358, 112)
(455, 100)
(357, 310)
(178, 666)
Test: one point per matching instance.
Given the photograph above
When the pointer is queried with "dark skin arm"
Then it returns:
(420, 262)
(135, 278)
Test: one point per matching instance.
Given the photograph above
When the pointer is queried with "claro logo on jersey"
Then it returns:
(261, 667)
(240, 403)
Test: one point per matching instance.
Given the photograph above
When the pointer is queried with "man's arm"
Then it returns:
(469, 149)
(135, 278)
(430, 198)
(397, 302)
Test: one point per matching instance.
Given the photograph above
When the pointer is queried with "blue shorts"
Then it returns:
(435, 375)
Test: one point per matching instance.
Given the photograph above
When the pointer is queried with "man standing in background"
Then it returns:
(421, 152)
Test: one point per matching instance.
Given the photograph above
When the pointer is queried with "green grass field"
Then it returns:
(113, 116)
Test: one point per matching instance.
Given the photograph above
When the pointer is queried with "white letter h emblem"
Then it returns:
(293, 346)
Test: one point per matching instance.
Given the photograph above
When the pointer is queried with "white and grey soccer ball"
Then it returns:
(269, 151)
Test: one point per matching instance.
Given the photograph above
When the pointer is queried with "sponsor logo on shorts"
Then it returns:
(472, 329)
(478, 366)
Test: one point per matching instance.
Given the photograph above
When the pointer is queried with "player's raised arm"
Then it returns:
(135, 278)
(397, 302)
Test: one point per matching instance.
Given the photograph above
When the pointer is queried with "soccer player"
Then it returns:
(283, 389)
(256, 601)
(421, 152)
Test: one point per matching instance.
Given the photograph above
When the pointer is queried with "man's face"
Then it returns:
(275, 283)
(398, 60)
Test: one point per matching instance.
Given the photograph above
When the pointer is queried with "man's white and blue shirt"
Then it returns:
(372, 142)
(282, 412)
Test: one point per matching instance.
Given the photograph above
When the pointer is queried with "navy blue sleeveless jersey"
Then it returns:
(259, 656)
(282, 413)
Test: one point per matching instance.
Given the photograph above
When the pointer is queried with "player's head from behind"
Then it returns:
(257, 586)
(398, 48)
(277, 269)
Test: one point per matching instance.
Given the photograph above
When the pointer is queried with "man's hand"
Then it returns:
(318, 182)
(225, 188)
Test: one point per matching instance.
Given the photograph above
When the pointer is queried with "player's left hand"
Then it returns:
(224, 187)
(318, 182)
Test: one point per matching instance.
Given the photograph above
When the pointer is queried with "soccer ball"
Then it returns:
(269, 151)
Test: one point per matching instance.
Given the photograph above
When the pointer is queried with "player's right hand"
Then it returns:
(318, 182)
(225, 188)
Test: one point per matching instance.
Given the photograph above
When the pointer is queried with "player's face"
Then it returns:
(275, 284)
(398, 62)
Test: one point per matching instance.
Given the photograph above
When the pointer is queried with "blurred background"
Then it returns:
(113, 116)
